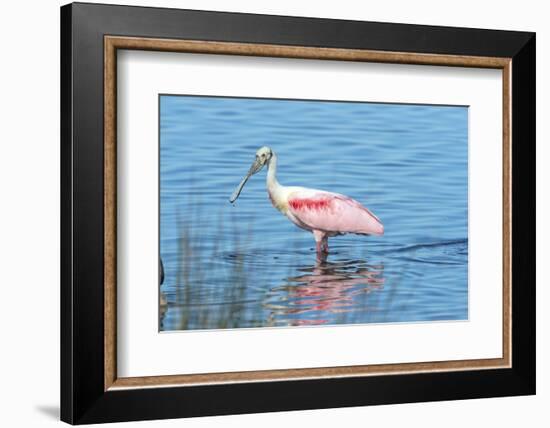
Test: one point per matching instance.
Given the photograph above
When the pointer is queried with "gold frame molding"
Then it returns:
(113, 43)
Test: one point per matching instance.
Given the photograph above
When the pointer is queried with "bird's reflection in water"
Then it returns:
(324, 292)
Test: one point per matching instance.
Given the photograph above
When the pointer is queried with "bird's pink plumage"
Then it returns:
(309, 204)
(333, 213)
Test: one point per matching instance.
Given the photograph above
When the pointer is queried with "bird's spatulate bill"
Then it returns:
(256, 166)
(238, 190)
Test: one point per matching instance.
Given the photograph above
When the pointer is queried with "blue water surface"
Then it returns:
(246, 265)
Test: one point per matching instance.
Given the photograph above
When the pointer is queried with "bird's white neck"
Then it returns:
(271, 179)
(274, 189)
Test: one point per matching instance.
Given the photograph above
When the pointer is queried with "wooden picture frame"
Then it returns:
(91, 390)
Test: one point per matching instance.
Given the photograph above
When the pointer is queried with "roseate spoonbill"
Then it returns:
(323, 213)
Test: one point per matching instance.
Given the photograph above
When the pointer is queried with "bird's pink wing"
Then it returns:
(332, 212)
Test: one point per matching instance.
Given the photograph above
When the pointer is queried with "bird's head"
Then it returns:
(263, 156)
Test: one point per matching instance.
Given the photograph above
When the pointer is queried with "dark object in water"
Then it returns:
(161, 272)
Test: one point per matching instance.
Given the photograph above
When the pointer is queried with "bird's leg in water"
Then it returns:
(319, 247)
(324, 244)
(321, 244)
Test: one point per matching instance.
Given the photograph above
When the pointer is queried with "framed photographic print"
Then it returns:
(265, 213)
